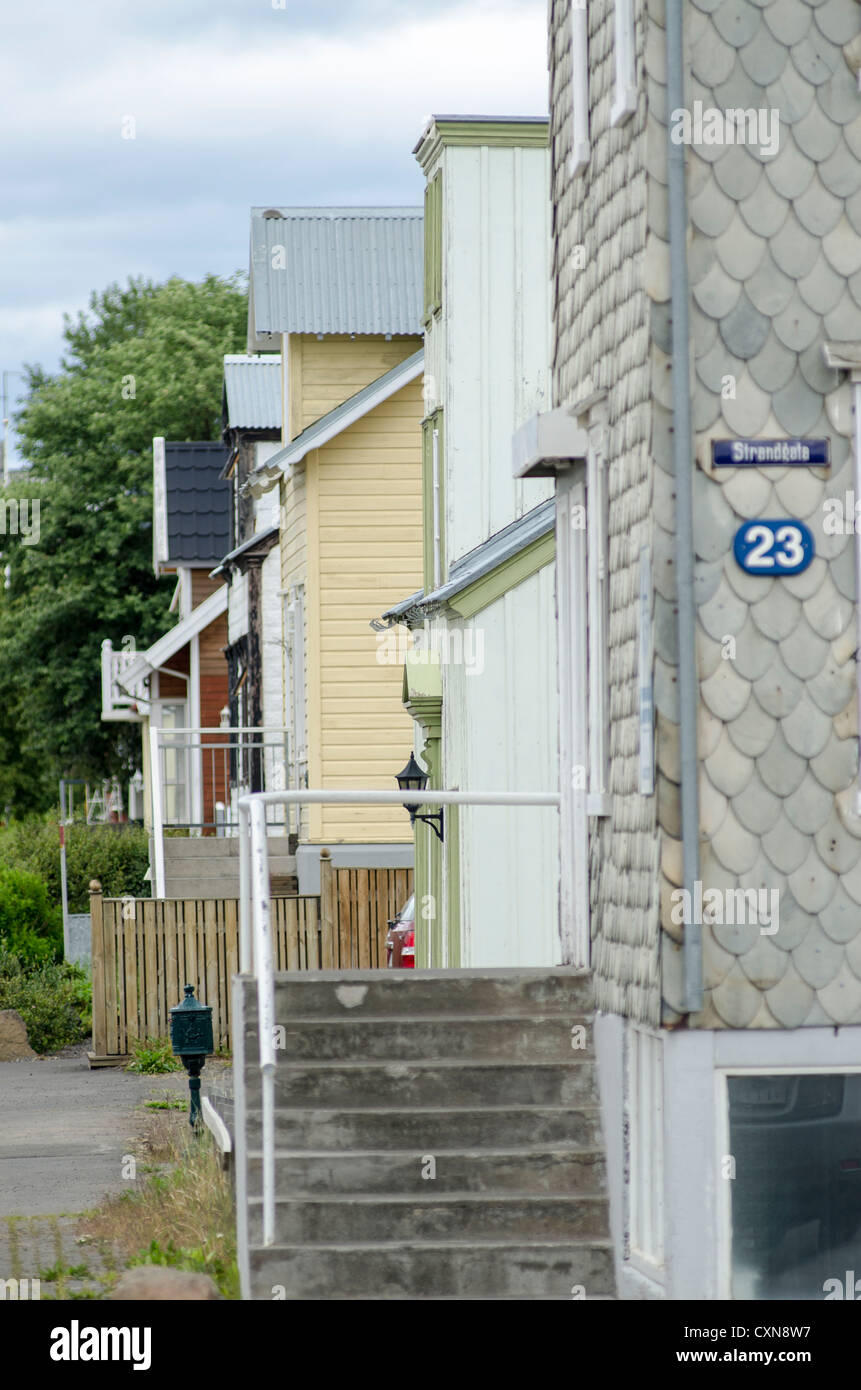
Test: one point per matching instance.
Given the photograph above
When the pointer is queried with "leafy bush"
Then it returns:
(117, 855)
(29, 926)
(53, 998)
(152, 1057)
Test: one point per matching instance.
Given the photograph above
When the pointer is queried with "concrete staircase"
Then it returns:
(207, 866)
(437, 1137)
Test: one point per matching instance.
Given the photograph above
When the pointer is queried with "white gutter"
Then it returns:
(252, 814)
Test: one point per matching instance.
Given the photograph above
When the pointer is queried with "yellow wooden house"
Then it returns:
(338, 292)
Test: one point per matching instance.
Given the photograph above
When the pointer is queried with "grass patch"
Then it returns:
(167, 1102)
(153, 1057)
(182, 1216)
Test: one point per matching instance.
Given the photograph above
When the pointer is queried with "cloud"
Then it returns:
(235, 104)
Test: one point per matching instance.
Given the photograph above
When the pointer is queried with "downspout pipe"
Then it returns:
(683, 466)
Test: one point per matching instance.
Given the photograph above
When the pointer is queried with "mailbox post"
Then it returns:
(191, 1040)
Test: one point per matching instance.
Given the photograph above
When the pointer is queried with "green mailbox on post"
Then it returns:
(191, 1040)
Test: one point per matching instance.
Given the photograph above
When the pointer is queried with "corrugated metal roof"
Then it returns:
(341, 270)
(252, 392)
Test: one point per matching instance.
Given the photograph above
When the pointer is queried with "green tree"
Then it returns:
(145, 360)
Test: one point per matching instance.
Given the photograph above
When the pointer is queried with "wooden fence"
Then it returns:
(145, 950)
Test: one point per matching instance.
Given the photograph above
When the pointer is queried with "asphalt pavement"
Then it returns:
(64, 1130)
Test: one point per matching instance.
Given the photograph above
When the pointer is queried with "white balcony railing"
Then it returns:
(198, 775)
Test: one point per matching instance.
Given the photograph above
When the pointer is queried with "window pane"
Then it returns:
(796, 1193)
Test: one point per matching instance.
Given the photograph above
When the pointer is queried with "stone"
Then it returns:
(151, 1283)
(14, 1046)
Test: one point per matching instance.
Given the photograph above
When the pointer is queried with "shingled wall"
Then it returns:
(774, 262)
(602, 316)
(775, 271)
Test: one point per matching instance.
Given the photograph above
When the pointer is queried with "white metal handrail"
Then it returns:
(255, 937)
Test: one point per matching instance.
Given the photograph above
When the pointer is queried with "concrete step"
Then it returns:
(436, 1083)
(481, 1038)
(208, 885)
(443, 1269)
(326, 994)
(180, 848)
(552, 1171)
(364, 1220)
(434, 1129)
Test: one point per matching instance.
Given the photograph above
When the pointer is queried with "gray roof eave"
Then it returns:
(257, 539)
(492, 553)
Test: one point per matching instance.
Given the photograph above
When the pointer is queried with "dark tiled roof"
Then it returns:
(198, 502)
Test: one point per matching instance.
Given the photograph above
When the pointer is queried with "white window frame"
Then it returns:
(723, 1189)
(625, 53)
(644, 1091)
(580, 148)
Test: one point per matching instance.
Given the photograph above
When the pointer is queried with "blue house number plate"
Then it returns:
(773, 547)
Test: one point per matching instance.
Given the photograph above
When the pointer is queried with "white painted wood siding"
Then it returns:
(496, 332)
(500, 732)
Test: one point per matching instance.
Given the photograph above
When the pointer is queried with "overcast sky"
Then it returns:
(234, 103)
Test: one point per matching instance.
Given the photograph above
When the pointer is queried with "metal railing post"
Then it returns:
(265, 1006)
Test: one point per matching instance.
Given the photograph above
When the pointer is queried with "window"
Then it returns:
(794, 1179)
(625, 98)
(433, 247)
(175, 754)
(579, 86)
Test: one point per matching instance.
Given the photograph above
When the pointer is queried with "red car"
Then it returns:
(401, 939)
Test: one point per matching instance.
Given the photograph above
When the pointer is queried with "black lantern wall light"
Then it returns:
(414, 779)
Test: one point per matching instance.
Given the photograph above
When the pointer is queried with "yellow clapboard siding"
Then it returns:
(325, 373)
(368, 537)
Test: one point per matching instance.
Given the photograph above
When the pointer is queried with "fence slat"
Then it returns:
(231, 961)
(213, 994)
(149, 983)
(97, 951)
(189, 936)
(141, 961)
(171, 962)
(130, 975)
(363, 916)
(328, 943)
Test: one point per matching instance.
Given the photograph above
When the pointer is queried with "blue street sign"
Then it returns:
(770, 453)
(773, 547)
